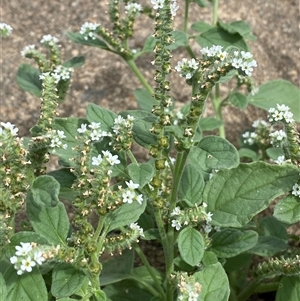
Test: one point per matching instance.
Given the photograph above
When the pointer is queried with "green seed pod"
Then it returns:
(159, 203)
(160, 164)
(163, 141)
(156, 182)
(95, 267)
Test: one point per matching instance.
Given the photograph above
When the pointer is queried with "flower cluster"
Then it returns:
(280, 160)
(260, 134)
(88, 30)
(277, 137)
(7, 127)
(137, 228)
(159, 4)
(56, 137)
(187, 68)
(129, 195)
(296, 190)
(191, 215)
(134, 7)
(122, 133)
(92, 131)
(249, 137)
(59, 73)
(29, 255)
(49, 40)
(240, 60)
(282, 113)
(5, 30)
(108, 157)
(188, 288)
(27, 50)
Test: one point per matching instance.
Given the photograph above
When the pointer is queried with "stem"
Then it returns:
(186, 15)
(150, 289)
(132, 157)
(267, 287)
(149, 268)
(139, 75)
(215, 11)
(248, 290)
(216, 101)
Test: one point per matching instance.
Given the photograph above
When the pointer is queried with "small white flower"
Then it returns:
(136, 227)
(209, 217)
(82, 128)
(174, 7)
(38, 257)
(280, 160)
(282, 113)
(27, 264)
(132, 185)
(13, 259)
(61, 134)
(97, 160)
(24, 249)
(134, 7)
(176, 211)
(95, 125)
(88, 30)
(27, 49)
(157, 4)
(207, 228)
(128, 196)
(278, 135)
(111, 159)
(176, 224)
(49, 39)
(260, 122)
(139, 198)
(10, 127)
(296, 190)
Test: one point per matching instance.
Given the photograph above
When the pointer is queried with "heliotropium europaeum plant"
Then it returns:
(193, 197)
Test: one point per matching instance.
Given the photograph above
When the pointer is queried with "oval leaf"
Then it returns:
(141, 173)
(287, 210)
(234, 196)
(28, 79)
(191, 246)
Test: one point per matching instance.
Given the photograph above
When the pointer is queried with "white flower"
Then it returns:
(5, 29)
(111, 159)
(157, 4)
(176, 211)
(249, 137)
(174, 7)
(281, 114)
(27, 264)
(296, 190)
(27, 49)
(280, 160)
(134, 7)
(139, 199)
(97, 134)
(209, 217)
(43, 75)
(38, 257)
(97, 160)
(10, 127)
(61, 73)
(176, 224)
(136, 227)
(95, 125)
(128, 196)
(82, 128)
(132, 185)
(49, 39)
(260, 122)
(24, 249)
(13, 259)
(277, 136)
(88, 30)
(207, 228)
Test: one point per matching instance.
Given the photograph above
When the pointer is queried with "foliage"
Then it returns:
(198, 196)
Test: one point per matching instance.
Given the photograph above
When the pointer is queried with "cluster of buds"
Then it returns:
(188, 288)
(29, 255)
(123, 241)
(260, 135)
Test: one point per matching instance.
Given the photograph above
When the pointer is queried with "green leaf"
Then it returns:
(76, 37)
(239, 100)
(26, 236)
(65, 179)
(191, 185)
(142, 272)
(228, 76)
(201, 26)
(210, 123)
(274, 152)
(201, 3)
(209, 258)
(141, 173)
(27, 287)
(241, 27)
(124, 215)
(218, 36)
(149, 44)
(141, 133)
(287, 210)
(180, 40)
(215, 284)
(66, 280)
(234, 196)
(28, 79)
(118, 268)
(268, 246)
(44, 191)
(270, 226)
(104, 116)
(191, 246)
(3, 288)
(75, 62)
(248, 153)
(288, 289)
(231, 242)
(49, 221)
(127, 290)
(277, 92)
(144, 99)
(217, 153)
(238, 262)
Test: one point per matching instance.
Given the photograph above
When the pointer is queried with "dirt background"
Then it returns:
(107, 81)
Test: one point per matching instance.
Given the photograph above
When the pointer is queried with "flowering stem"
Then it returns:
(150, 269)
(139, 75)
(185, 27)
